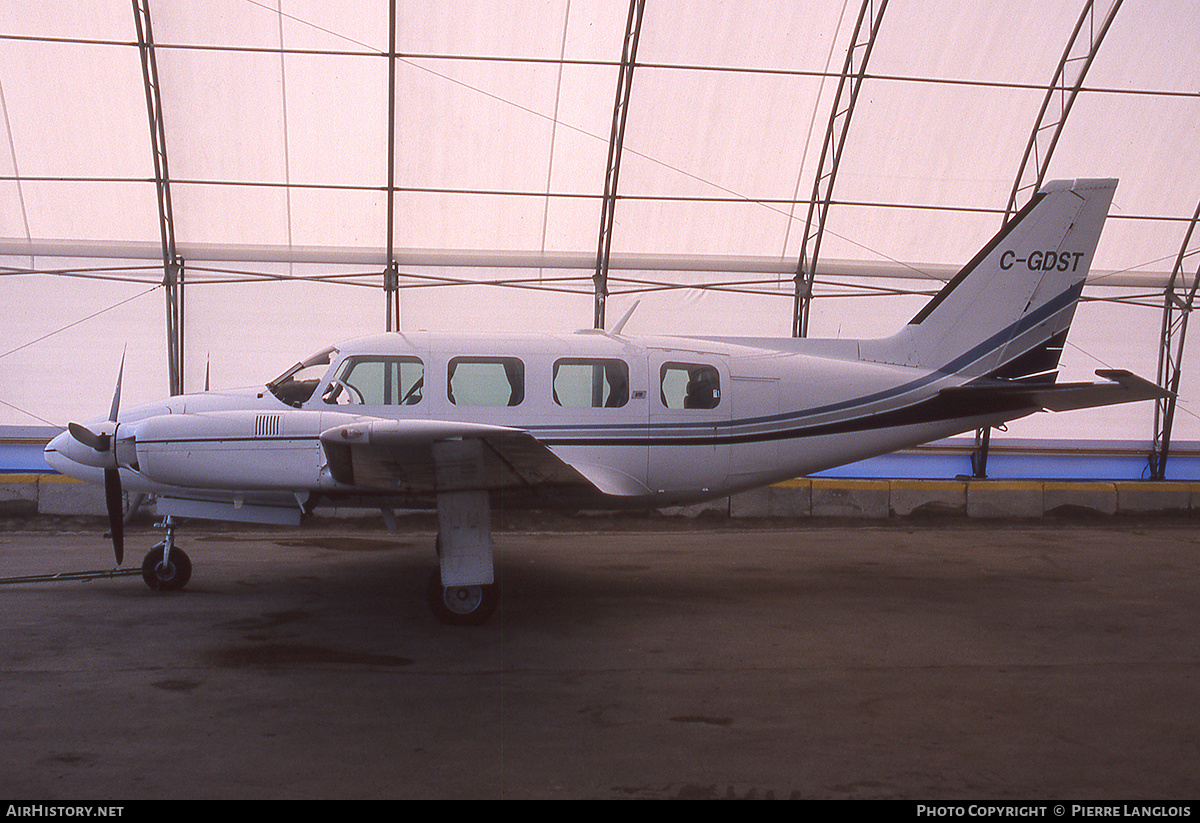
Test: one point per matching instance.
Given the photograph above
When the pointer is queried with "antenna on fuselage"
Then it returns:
(625, 319)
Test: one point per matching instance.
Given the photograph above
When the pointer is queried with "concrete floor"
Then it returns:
(951, 660)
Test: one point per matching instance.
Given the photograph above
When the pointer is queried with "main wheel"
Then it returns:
(461, 605)
(170, 576)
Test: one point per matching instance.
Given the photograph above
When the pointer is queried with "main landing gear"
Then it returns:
(166, 567)
(461, 605)
(462, 591)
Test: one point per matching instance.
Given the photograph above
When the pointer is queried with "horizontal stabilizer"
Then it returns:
(1123, 387)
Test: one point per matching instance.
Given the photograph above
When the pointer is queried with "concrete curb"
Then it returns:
(975, 499)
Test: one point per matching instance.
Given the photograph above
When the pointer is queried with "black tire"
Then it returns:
(171, 577)
(461, 605)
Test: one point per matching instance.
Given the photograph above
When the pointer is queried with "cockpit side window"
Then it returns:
(486, 381)
(377, 381)
(690, 386)
(296, 385)
(583, 383)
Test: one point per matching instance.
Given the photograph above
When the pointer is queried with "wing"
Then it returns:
(1123, 387)
(403, 456)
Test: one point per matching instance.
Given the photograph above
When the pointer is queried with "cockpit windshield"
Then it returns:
(296, 385)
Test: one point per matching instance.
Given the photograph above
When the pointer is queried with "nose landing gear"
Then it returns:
(166, 567)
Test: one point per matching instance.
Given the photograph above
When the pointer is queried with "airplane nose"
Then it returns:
(61, 454)
(53, 454)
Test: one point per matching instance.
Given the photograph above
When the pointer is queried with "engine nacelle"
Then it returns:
(250, 450)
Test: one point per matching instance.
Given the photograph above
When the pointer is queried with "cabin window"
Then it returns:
(486, 381)
(594, 384)
(690, 386)
(378, 381)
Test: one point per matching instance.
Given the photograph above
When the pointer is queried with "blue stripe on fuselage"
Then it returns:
(987, 347)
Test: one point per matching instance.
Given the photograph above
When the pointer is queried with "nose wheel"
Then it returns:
(166, 567)
(166, 571)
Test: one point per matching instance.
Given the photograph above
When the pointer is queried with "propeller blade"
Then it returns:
(99, 442)
(116, 403)
(116, 520)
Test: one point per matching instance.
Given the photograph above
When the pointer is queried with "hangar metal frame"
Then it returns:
(858, 54)
(1073, 66)
(1177, 298)
(172, 264)
(616, 142)
(1178, 302)
(391, 276)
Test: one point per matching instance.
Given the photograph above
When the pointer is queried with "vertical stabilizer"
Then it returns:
(1006, 314)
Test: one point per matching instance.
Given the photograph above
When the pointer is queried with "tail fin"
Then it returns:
(1006, 314)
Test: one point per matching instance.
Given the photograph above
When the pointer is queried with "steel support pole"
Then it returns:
(1072, 68)
(391, 274)
(853, 71)
(1178, 302)
(172, 264)
(616, 139)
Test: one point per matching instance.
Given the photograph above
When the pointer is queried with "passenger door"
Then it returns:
(689, 414)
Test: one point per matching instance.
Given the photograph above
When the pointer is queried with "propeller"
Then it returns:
(103, 443)
(113, 499)
(89, 438)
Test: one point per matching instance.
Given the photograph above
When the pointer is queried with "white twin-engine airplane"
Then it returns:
(602, 420)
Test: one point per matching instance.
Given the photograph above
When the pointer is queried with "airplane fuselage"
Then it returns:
(649, 421)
